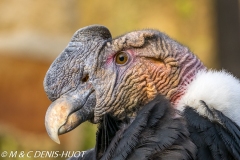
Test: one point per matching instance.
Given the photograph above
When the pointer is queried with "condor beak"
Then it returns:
(68, 111)
(73, 108)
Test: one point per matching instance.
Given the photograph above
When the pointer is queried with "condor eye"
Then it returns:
(121, 58)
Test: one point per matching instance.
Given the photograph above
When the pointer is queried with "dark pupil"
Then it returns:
(121, 57)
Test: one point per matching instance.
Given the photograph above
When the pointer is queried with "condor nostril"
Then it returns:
(85, 78)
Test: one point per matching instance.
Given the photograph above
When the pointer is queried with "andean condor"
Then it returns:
(151, 96)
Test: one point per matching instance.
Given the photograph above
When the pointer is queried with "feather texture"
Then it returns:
(215, 139)
(219, 90)
(155, 133)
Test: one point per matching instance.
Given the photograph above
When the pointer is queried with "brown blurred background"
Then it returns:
(33, 33)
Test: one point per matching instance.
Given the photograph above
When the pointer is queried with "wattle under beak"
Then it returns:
(68, 111)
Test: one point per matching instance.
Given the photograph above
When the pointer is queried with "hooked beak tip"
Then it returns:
(56, 139)
(53, 133)
(55, 117)
(66, 113)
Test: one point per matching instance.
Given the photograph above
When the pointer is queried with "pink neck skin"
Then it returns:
(188, 72)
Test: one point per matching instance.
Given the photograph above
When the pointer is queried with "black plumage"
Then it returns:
(154, 134)
(215, 139)
(157, 133)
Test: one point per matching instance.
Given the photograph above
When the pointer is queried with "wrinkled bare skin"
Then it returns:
(88, 65)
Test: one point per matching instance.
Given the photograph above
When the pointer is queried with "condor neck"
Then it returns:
(188, 74)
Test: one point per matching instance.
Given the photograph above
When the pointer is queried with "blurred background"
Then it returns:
(33, 33)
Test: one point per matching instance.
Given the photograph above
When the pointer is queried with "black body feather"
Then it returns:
(216, 139)
(159, 133)
(155, 133)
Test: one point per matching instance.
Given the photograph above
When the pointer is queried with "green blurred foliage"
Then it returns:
(8, 143)
(89, 135)
(185, 8)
